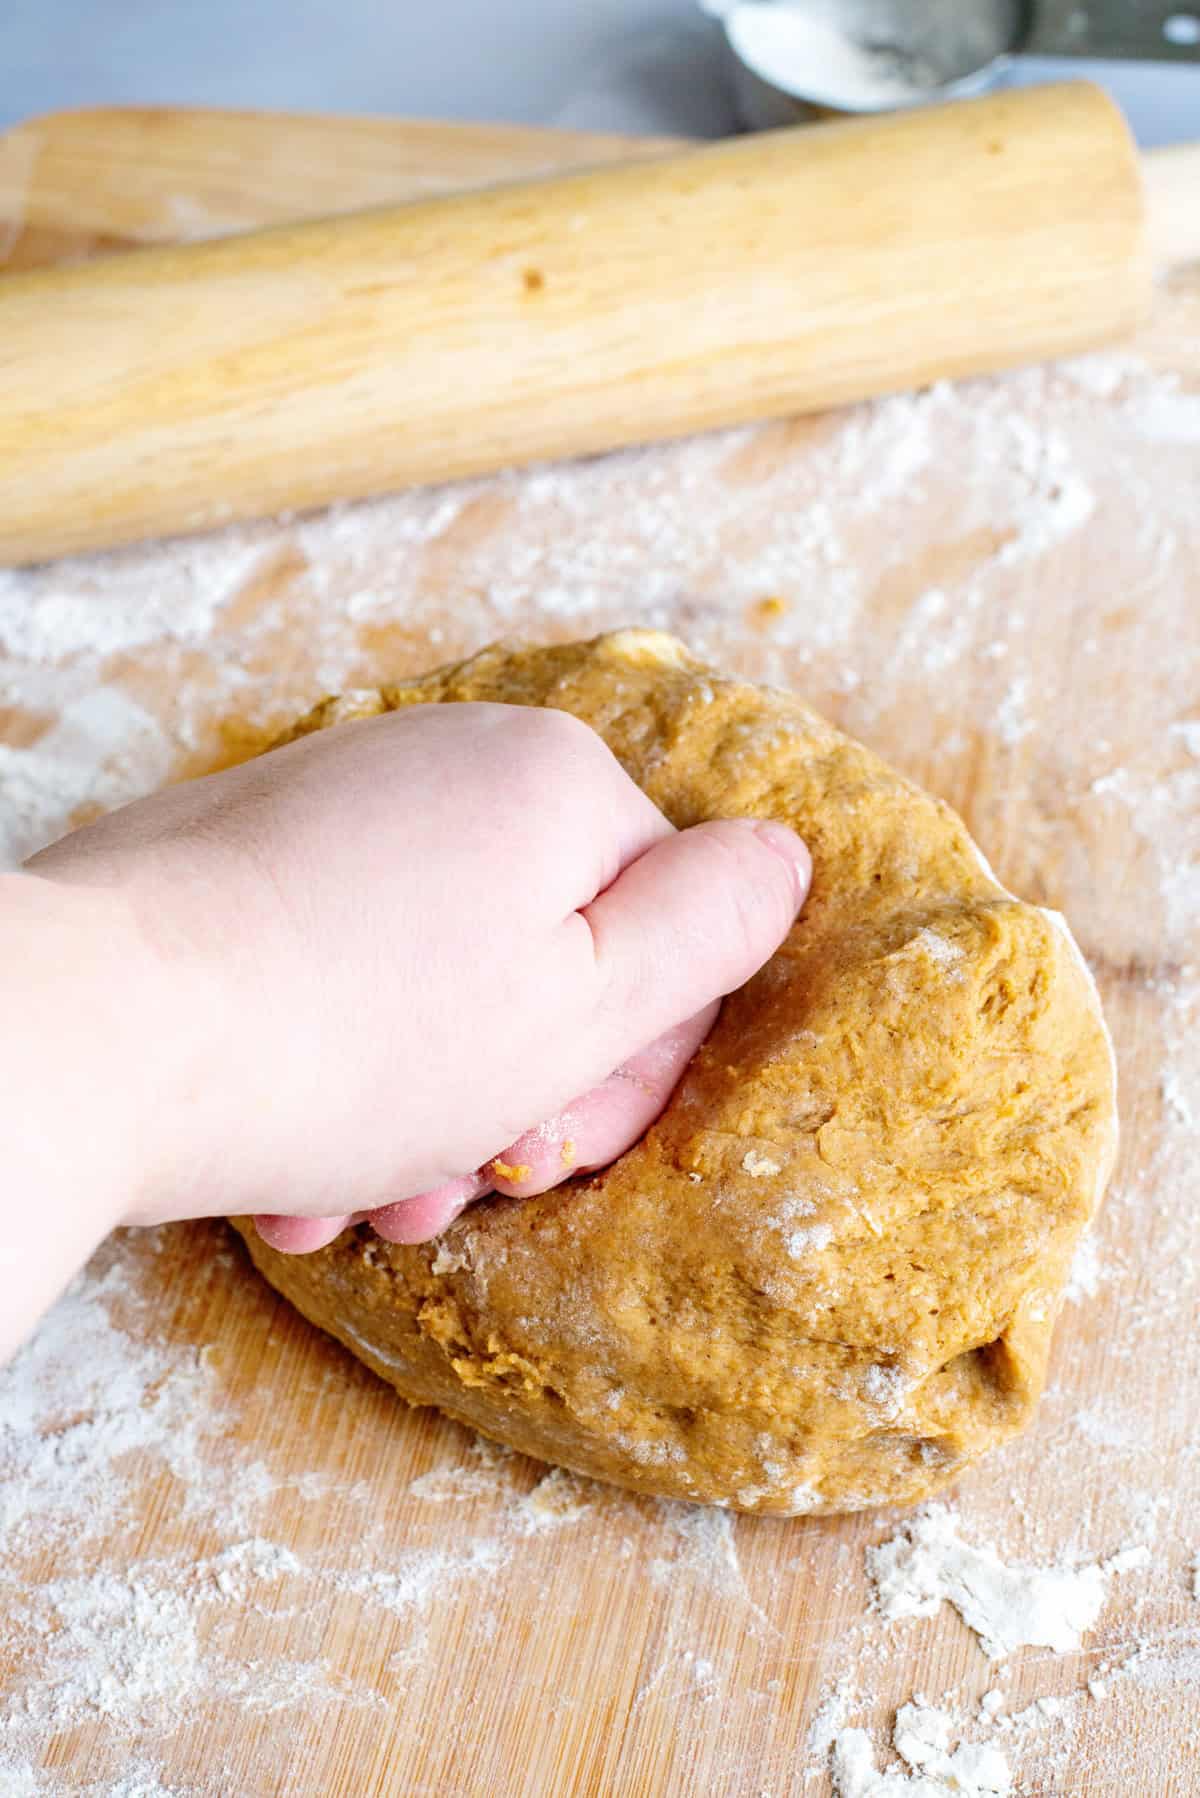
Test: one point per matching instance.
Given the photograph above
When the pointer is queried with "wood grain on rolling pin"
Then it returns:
(172, 389)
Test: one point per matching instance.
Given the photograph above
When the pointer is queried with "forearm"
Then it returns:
(69, 1089)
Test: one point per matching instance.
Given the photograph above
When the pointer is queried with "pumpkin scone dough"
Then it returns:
(827, 1278)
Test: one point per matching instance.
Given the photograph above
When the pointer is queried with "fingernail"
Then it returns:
(789, 848)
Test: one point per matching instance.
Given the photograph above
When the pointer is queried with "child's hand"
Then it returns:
(398, 963)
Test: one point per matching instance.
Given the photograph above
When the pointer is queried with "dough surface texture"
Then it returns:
(828, 1277)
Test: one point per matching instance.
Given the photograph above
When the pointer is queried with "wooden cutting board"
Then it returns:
(245, 1569)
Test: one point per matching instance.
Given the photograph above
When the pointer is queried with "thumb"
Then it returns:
(690, 920)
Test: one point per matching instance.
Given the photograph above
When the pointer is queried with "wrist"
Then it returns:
(134, 1016)
(69, 1098)
(72, 991)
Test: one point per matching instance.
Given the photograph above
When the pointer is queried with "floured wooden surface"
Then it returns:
(230, 1562)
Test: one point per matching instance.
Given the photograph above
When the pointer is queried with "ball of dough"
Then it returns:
(827, 1277)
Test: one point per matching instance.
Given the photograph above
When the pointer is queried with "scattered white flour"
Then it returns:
(884, 1389)
(123, 1648)
(92, 1413)
(939, 949)
(1163, 814)
(828, 1721)
(1106, 373)
(236, 1569)
(930, 946)
(415, 1578)
(1012, 719)
(1106, 1426)
(109, 605)
(921, 1737)
(140, 1781)
(1008, 1606)
(78, 1403)
(104, 749)
(810, 1239)
(1187, 732)
(1170, 415)
(478, 1477)
(702, 1546)
(1178, 1099)
(681, 1677)
(558, 1498)
(1063, 501)
(758, 1166)
(1087, 1271)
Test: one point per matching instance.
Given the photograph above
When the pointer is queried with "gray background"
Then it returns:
(619, 64)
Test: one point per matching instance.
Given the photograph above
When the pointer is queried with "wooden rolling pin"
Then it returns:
(174, 389)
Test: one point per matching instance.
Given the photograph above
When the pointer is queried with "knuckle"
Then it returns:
(564, 773)
(551, 745)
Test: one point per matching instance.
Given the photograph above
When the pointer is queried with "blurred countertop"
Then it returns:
(634, 65)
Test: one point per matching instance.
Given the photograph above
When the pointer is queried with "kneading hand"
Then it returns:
(377, 973)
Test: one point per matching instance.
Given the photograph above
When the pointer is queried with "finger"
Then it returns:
(589, 1134)
(604, 1122)
(690, 920)
(300, 1235)
(427, 1214)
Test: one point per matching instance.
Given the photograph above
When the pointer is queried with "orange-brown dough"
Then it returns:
(828, 1276)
